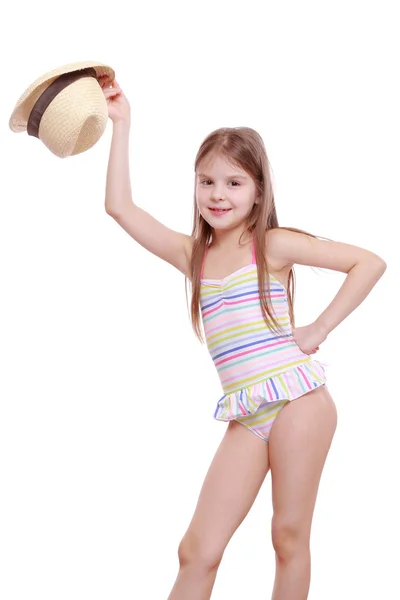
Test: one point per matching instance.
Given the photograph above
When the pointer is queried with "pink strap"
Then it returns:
(204, 260)
(253, 252)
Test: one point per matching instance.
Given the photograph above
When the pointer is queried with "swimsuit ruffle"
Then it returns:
(288, 385)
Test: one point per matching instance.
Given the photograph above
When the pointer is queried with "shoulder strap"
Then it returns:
(204, 260)
(253, 252)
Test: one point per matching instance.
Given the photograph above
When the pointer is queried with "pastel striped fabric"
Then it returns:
(261, 422)
(254, 363)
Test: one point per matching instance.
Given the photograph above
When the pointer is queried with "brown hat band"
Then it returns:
(50, 93)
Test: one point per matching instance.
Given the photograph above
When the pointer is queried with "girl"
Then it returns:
(280, 413)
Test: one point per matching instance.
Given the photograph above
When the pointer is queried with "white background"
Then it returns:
(107, 399)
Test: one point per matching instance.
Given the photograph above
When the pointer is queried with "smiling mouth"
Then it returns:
(220, 211)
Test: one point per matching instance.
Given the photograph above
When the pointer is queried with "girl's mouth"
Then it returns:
(220, 211)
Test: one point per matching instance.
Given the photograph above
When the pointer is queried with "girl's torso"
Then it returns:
(244, 349)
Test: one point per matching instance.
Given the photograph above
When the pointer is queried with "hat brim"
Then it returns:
(20, 115)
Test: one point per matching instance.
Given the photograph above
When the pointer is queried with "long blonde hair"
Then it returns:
(244, 147)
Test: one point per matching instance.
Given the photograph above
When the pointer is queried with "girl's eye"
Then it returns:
(208, 182)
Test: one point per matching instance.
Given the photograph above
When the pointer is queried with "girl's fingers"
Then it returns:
(103, 80)
(111, 92)
(105, 83)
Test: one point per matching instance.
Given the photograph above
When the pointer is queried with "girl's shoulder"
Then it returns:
(276, 242)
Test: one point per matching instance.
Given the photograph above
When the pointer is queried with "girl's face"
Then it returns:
(225, 194)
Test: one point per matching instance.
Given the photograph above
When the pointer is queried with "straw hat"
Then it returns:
(65, 108)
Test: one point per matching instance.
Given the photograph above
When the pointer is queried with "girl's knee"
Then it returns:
(289, 539)
(199, 553)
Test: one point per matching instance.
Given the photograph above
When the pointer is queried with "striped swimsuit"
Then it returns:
(260, 370)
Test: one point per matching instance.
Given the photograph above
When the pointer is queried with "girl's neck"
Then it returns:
(227, 240)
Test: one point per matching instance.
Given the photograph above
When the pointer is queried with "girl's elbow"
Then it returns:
(379, 264)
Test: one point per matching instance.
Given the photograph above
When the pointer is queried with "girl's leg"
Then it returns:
(298, 446)
(229, 490)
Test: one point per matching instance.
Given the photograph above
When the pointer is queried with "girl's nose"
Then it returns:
(217, 194)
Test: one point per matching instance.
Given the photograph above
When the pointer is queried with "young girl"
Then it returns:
(280, 413)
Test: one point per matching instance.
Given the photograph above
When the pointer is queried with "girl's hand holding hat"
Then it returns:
(118, 105)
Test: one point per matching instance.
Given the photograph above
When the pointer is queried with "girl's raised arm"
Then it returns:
(172, 246)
